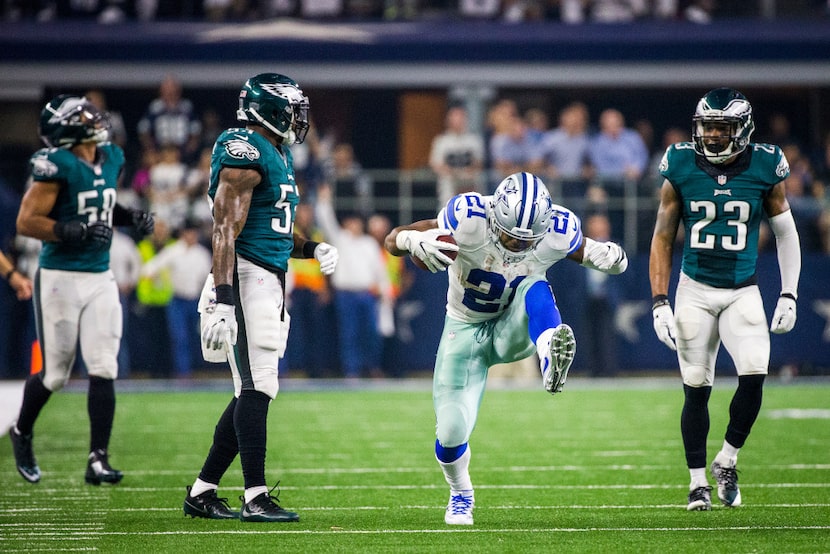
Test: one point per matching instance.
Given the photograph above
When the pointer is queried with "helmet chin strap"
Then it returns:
(719, 157)
(287, 138)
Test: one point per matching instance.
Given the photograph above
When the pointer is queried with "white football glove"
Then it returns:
(783, 319)
(608, 257)
(425, 246)
(664, 325)
(327, 255)
(220, 328)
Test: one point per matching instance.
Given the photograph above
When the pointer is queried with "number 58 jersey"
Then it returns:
(483, 281)
(722, 208)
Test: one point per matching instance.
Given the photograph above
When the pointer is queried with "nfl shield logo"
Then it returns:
(721, 179)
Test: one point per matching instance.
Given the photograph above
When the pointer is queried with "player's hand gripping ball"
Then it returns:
(452, 254)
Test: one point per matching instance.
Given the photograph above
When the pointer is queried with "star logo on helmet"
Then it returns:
(241, 150)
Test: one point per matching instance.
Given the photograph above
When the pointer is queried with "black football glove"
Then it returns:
(143, 222)
(76, 231)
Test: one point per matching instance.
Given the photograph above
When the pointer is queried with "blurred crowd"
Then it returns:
(567, 11)
(345, 325)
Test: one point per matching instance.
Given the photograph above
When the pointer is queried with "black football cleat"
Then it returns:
(207, 505)
(264, 508)
(24, 456)
(98, 469)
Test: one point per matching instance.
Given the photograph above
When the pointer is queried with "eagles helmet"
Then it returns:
(521, 209)
(727, 107)
(67, 120)
(277, 103)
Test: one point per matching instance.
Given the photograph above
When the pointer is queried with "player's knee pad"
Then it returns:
(54, 380)
(695, 376)
(266, 380)
(452, 429)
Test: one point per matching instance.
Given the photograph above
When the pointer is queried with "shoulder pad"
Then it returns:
(50, 164)
(565, 231)
(239, 147)
(465, 216)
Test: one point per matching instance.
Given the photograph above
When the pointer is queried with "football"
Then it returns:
(450, 253)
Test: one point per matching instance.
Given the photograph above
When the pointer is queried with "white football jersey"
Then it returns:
(481, 283)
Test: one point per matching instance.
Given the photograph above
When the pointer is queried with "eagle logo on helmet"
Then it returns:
(241, 150)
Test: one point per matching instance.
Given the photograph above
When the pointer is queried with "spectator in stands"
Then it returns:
(603, 11)
(806, 205)
(149, 340)
(310, 343)
(513, 150)
(618, 156)
(196, 183)
(360, 281)
(779, 131)
(351, 186)
(599, 339)
(700, 11)
(457, 156)
(212, 127)
(400, 279)
(670, 136)
(140, 180)
(167, 196)
(125, 263)
(498, 118)
(617, 152)
(188, 263)
(563, 153)
(171, 119)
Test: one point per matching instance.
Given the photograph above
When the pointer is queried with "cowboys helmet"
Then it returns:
(277, 103)
(521, 209)
(727, 107)
(67, 120)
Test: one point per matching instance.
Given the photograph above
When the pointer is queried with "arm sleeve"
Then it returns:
(789, 251)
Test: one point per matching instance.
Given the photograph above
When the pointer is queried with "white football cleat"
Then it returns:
(558, 358)
(460, 508)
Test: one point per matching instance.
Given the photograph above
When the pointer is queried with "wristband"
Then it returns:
(8, 275)
(789, 295)
(309, 247)
(659, 300)
(224, 294)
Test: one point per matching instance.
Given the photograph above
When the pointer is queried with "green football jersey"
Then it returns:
(268, 236)
(723, 206)
(87, 193)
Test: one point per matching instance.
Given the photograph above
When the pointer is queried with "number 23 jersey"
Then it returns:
(482, 284)
(722, 208)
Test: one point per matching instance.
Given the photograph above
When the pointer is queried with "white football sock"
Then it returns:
(728, 455)
(457, 473)
(698, 475)
(253, 492)
(200, 487)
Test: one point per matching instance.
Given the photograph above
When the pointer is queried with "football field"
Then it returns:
(598, 468)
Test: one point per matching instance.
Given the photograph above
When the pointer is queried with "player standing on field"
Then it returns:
(500, 308)
(253, 194)
(71, 206)
(721, 185)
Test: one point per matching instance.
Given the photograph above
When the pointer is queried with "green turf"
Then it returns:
(592, 470)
